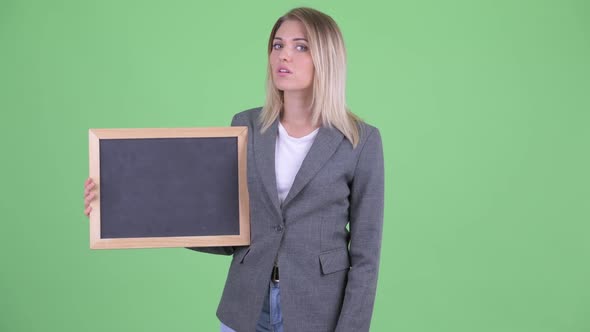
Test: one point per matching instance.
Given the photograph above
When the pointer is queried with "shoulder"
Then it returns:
(247, 117)
(368, 134)
(369, 152)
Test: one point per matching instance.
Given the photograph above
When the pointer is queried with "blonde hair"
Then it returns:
(329, 82)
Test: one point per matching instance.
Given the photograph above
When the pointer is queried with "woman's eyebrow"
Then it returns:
(294, 39)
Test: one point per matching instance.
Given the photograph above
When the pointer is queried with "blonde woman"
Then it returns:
(313, 168)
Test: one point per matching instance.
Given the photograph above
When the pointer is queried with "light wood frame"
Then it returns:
(94, 137)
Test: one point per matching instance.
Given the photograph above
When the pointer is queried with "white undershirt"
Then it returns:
(289, 155)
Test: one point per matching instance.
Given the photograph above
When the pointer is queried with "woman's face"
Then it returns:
(290, 60)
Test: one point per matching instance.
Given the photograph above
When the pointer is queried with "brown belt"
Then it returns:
(275, 274)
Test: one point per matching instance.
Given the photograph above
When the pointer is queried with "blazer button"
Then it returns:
(279, 228)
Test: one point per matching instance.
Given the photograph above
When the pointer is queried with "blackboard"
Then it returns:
(169, 187)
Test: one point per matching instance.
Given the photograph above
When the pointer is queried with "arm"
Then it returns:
(228, 250)
(366, 225)
(214, 250)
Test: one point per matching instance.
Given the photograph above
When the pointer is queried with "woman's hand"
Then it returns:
(88, 195)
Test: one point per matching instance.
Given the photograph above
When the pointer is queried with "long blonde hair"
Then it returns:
(329, 83)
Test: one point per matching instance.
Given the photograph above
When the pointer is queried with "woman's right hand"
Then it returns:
(89, 195)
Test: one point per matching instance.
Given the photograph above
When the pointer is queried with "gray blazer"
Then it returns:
(325, 284)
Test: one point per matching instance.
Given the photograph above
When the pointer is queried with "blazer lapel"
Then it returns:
(264, 151)
(324, 145)
(322, 148)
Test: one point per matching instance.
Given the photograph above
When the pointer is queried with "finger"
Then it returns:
(88, 181)
(87, 211)
(88, 189)
(89, 198)
(89, 186)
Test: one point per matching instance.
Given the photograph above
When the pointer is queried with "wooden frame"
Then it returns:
(94, 138)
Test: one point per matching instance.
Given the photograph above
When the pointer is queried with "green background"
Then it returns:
(483, 109)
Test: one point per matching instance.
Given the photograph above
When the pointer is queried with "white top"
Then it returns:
(289, 155)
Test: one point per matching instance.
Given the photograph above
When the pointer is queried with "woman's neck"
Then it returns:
(297, 108)
(296, 116)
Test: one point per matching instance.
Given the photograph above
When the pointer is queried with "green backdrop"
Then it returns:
(483, 109)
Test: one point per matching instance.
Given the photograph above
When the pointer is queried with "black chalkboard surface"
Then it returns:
(169, 187)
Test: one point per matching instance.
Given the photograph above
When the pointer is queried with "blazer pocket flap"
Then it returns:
(335, 260)
(239, 256)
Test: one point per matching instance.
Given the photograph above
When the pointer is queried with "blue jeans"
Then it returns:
(270, 319)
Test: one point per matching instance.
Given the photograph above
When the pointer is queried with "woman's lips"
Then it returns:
(283, 71)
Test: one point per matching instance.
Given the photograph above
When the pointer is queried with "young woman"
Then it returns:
(313, 168)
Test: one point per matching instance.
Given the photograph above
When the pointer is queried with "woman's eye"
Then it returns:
(301, 48)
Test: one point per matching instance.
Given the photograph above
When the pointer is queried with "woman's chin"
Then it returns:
(289, 89)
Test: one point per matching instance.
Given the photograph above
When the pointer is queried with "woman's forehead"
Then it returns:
(291, 29)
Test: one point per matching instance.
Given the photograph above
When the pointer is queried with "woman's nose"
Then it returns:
(284, 55)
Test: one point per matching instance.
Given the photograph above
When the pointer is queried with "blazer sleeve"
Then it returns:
(227, 250)
(366, 225)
